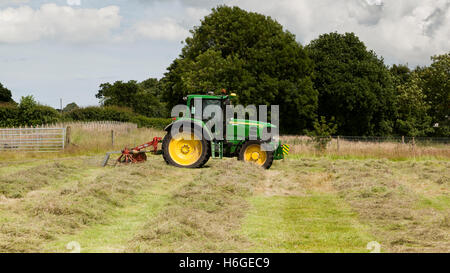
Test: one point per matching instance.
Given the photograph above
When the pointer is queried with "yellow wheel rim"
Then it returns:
(253, 153)
(184, 149)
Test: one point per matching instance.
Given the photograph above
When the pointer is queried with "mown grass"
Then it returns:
(321, 203)
(59, 207)
(114, 235)
(203, 215)
(317, 223)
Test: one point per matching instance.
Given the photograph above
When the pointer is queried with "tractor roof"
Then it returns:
(208, 96)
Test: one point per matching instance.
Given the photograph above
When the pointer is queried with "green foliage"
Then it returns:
(94, 113)
(115, 113)
(249, 54)
(157, 123)
(70, 107)
(27, 113)
(412, 108)
(9, 114)
(5, 94)
(142, 97)
(31, 113)
(322, 133)
(354, 85)
(401, 74)
(435, 83)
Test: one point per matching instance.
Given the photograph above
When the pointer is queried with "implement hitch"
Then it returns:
(134, 155)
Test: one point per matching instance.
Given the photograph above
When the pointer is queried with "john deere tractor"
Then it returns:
(194, 141)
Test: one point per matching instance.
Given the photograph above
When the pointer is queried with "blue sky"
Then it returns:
(66, 48)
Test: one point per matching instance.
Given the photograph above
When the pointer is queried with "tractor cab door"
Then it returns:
(214, 110)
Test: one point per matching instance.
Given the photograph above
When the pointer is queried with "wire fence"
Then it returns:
(373, 139)
(385, 147)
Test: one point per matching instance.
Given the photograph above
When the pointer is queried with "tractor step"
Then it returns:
(217, 147)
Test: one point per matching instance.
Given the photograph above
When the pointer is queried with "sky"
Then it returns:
(64, 49)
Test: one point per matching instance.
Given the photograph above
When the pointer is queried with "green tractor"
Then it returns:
(192, 145)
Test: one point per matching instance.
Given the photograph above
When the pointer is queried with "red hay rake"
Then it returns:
(134, 155)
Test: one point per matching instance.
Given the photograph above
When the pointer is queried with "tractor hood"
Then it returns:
(247, 122)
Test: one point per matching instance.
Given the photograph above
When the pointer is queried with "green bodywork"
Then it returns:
(237, 130)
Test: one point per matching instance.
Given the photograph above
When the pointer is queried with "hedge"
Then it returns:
(158, 123)
(13, 116)
(115, 113)
(9, 115)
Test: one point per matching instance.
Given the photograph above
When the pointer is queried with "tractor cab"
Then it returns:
(198, 103)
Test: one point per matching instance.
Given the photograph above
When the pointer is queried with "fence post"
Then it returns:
(20, 137)
(403, 139)
(68, 131)
(413, 147)
(112, 138)
(338, 144)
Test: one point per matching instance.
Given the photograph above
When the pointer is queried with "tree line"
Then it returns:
(334, 81)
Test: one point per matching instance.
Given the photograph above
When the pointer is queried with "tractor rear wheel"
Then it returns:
(252, 151)
(182, 150)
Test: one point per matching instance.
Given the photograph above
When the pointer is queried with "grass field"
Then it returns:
(304, 203)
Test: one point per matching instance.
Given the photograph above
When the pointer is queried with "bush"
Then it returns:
(9, 115)
(38, 115)
(94, 113)
(158, 123)
(322, 133)
(28, 113)
(31, 113)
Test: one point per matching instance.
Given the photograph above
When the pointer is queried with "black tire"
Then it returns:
(269, 154)
(204, 157)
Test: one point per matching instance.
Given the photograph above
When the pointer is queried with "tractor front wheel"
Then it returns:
(185, 151)
(252, 152)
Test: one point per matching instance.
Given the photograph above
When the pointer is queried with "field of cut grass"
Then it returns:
(302, 204)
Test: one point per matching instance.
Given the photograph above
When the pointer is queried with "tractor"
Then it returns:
(191, 141)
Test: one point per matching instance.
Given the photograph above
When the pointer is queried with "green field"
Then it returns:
(312, 204)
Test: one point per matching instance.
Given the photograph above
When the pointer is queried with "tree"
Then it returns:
(251, 55)
(412, 108)
(143, 97)
(354, 85)
(70, 107)
(322, 134)
(435, 83)
(5, 94)
(119, 93)
(401, 74)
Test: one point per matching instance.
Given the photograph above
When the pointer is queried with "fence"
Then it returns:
(95, 125)
(292, 139)
(32, 139)
(387, 147)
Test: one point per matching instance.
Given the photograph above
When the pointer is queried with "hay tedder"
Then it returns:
(194, 143)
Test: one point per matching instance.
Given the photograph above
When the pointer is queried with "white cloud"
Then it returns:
(400, 30)
(73, 2)
(8, 2)
(64, 23)
(163, 29)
